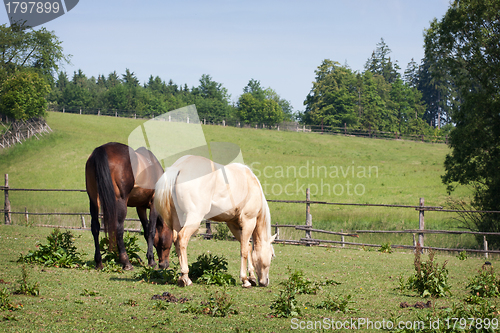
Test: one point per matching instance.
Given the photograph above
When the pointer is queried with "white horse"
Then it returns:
(195, 188)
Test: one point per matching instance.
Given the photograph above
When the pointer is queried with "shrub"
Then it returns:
(222, 232)
(462, 255)
(59, 252)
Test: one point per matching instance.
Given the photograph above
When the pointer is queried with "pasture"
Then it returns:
(384, 171)
(123, 304)
(336, 168)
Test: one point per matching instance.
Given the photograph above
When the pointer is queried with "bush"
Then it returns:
(222, 232)
(59, 252)
(299, 284)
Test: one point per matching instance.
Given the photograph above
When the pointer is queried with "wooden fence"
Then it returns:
(18, 131)
(418, 234)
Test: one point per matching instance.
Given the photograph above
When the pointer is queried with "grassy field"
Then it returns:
(123, 304)
(336, 168)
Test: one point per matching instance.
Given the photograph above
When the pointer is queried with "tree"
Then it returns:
(259, 106)
(332, 99)
(380, 63)
(467, 44)
(21, 48)
(23, 95)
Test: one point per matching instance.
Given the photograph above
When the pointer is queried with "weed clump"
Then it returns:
(211, 269)
(131, 247)
(429, 279)
(485, 283)
(219, 304)
(59, 252)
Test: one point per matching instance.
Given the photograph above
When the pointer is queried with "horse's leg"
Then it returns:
(149, 228)
(251, 270)
(121, 213)
(94, 227)
(191, 226)
(243, 236)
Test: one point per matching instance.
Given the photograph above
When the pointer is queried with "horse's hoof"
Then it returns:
(184, 282)
(253, 281)
(128, 267)
(152, 263)
(246, 284)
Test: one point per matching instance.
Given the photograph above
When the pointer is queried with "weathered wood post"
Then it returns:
(421, 223)
(308, 213)
(485, 246)
(26, 215)
(6, 205)
(209, 229)
(342, 238)
(277, 231)
(83, 222)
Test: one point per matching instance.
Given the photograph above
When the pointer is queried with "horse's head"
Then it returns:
(261, 258)
(163, 243)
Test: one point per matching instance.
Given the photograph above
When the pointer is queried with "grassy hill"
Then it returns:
(336, 168)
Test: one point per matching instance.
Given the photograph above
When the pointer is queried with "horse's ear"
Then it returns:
(273, 238)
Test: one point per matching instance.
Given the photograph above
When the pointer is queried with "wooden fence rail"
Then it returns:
(307, 227)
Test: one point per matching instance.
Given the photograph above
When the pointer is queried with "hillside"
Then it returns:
(336, 168)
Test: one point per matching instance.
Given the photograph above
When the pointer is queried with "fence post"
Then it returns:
(209, 229)
(421, 223)
(342, 238)
(83, 222)
(277, 231)
(6, 205)
(308, 213)
(485, 246)
(26, 214)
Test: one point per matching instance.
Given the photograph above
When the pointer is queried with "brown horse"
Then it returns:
(112, 186)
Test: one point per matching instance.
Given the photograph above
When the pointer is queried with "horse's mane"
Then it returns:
(265, 207)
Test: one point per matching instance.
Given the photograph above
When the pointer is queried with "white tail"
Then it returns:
(163, 193)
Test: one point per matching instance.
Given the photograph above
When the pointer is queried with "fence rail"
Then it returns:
(307, 227)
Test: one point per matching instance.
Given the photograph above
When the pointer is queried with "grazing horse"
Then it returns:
(112, 186)
(195, 188)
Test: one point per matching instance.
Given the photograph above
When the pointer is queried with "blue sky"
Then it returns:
(279, 43)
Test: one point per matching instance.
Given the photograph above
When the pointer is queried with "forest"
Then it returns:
(379, 98)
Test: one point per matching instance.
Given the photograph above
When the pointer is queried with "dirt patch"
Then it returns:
(166, 296)
(418, 305)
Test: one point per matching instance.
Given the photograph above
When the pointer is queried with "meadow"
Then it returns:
(335, 168)
(86, 300)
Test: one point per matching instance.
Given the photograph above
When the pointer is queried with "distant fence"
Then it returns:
(284, 126)
(418, 234)
(21, 130)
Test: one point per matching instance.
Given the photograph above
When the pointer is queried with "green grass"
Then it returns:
(123, 304)
(385, 172)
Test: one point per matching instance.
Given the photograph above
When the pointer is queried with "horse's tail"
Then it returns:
(106, 192)
(164, 194)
